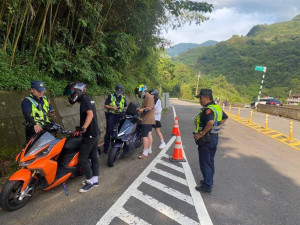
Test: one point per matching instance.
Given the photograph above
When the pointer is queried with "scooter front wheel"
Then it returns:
(11, 195)
(113, 156)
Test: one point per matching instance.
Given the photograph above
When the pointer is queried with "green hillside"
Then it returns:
(275, 46)
(183, 47)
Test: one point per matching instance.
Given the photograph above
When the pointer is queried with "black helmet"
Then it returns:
(75, 90)
(154, 92)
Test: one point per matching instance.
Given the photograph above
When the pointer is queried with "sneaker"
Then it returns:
(88, 186)
(95, 184)
(162, 145)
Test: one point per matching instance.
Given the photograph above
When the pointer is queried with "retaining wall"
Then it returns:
(284, 111)
(12, 130)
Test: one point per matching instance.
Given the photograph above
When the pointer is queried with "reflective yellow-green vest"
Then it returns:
(40, 113)
(113, 103)
(217, 119)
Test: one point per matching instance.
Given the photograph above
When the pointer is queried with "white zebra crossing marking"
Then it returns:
(164, 209)
(172, 166)
(169, 190)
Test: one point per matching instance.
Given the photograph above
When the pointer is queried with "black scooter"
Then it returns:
(126, 136)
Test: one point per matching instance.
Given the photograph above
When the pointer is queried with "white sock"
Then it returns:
(162, 141)
(95, 179)
(90, 180)
(149, 150)
(145, 152)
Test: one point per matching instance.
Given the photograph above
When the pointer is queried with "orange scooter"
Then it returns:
(46, 161)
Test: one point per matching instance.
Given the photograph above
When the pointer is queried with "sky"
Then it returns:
(234, 17)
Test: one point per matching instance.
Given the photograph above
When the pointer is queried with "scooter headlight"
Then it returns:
(27, 163)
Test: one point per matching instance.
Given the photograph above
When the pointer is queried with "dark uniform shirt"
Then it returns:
(108, 100)
(208, 114)
(27, 108)
(87, 103)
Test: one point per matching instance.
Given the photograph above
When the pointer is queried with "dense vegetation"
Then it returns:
(100, 42)
(183, 47)
(275, 46)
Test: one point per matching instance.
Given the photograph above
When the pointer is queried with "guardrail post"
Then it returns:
(229, 112)
(267, 121)
(291, 130)
(251, 115)
(239, 113)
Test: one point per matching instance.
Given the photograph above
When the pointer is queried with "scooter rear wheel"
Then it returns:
(113, 156)
(10, 193)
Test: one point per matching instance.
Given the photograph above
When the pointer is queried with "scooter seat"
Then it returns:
(72, 144)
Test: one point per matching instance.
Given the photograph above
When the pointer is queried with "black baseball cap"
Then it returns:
(38, 85)
(207, 92)
(119, 89)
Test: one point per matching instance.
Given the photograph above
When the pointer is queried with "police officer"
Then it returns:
(115, 104)
(208, 122)
(37, 109)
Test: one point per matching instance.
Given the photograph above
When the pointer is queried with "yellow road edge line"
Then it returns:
(260, 129)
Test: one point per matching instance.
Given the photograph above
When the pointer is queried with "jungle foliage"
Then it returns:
(100, 42)
(275, 46)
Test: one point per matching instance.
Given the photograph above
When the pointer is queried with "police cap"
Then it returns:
(207, 92)
(119, 89)
(38, 85)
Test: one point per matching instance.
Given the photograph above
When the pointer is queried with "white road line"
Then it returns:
(170, 176)
(172, 166)
(129, 218)
(109, 215)
(164, 209)
(174, 112)
(201, 210)
(170, 191)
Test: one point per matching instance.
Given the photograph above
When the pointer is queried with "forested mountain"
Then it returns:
(183, 47)
(275, 46)
(99, 42)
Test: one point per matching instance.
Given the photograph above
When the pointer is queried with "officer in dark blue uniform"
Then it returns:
(37, 109)
(208, 123)
(115, 104)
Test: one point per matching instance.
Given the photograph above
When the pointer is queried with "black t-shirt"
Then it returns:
(87, 103)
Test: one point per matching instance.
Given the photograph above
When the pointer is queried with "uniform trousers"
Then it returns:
(207, 160)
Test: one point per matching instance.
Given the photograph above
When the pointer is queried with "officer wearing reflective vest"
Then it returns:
(208, 123)
(37, 109)
(115, 104)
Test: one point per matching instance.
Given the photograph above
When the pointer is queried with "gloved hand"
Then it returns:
(78, 131)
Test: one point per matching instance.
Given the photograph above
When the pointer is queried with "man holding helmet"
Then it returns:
(115, 104)
(148, 119)
(89, 131)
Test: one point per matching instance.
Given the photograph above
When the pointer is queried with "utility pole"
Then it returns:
(199, 75)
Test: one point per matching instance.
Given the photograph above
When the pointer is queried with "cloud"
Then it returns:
(235, 17)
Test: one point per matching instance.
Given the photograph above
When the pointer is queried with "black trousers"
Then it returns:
(89, 149)
(111, 120)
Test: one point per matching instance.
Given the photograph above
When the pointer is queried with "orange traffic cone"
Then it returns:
(175, 127)
(177, 152)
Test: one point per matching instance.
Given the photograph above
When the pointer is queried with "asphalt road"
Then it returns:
(257, 181)
(277, 123)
